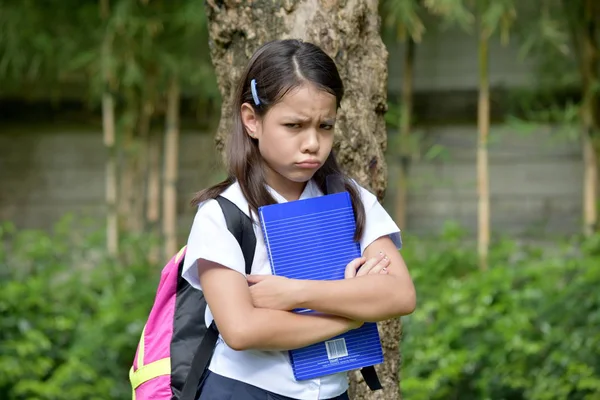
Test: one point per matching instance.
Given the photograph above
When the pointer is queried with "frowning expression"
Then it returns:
(295, 136)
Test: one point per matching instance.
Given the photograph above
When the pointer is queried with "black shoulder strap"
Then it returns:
(371, 379)
(240, 226)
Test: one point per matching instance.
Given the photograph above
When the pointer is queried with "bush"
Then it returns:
(70, 317)
(528, 328)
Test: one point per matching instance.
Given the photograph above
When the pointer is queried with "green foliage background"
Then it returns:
(70, 317)
(525, 329)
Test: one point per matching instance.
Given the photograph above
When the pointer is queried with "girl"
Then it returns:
(280, 150)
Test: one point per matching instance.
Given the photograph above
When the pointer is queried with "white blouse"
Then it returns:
(209, 239)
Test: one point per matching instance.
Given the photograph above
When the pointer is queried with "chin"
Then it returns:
(300, 177)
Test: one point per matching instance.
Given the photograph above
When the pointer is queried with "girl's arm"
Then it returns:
(245, 327)
(373, 297)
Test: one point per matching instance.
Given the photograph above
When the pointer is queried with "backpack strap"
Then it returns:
(371, 379)
(240, 226)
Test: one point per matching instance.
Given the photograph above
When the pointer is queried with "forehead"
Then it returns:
(306, 101)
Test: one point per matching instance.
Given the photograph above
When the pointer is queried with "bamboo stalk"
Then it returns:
(153, 194)
(108, 127)
(170, 173)
(590, 182)
(142, 167)
(128, 162)
(153, 189)
(483, 122)
(405, 127)
(590, 61)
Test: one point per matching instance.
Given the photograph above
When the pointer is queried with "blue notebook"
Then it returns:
(314, 239)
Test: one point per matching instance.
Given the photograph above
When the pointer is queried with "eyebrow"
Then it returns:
(301, 118)
(295, 117)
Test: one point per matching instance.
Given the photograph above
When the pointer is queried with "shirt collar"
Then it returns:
(311, 190)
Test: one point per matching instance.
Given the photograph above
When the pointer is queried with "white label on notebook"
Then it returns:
(336, 348)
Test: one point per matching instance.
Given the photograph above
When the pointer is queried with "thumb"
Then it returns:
(352, 266)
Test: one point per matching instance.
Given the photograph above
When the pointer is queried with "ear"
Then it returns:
(250, 120)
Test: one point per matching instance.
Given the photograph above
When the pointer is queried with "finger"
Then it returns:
(369, 265)
(381, 267)
(352, 266)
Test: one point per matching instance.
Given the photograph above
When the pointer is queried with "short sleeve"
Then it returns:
(210, 240)
(378, 222)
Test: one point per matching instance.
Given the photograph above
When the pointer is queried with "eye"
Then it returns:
(292, 126)
(326, 127)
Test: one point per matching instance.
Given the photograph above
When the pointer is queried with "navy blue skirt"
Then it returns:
(217, 387)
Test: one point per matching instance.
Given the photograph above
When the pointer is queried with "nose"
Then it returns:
(311, 142)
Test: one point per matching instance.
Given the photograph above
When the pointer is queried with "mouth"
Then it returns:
(309, 164)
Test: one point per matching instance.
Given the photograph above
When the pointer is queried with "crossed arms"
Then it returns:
(259, 316)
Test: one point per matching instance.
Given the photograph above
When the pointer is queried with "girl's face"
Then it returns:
(294, 137)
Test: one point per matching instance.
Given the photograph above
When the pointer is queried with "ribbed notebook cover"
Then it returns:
(314, 239)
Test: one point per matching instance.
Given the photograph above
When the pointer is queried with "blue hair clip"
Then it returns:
(254, 93)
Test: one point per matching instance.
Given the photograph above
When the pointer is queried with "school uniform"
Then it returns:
(250, 374)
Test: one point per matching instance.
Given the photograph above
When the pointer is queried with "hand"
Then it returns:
(354, 324)
(273, 292)
(375, 265)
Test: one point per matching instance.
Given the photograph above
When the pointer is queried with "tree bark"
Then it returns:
(238, 28)
(347, 30)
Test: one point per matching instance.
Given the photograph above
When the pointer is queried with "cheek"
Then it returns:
(327, 141)
(273, 145)
(276, 141)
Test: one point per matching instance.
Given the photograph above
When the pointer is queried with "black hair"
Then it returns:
(278, 67)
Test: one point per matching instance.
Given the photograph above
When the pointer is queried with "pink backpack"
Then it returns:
(176, 346)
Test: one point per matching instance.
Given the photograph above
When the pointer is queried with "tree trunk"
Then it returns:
(170, 177)
(405, 127)
(108, 127)
(153, 188)
(142, 166)
(153, 193)
(590, 60)
(590, 180)
(483, 121)
(129, 154)
(352, 39)
(237, 28)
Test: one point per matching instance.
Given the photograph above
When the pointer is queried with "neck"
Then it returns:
(289, 190)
